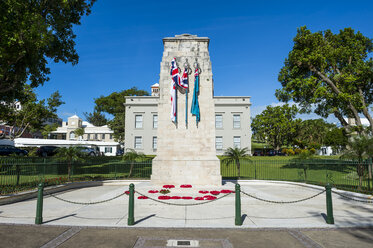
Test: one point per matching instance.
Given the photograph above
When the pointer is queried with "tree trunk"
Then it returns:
(360, 172)
(238, 169)
(131, 168)
(68, 171)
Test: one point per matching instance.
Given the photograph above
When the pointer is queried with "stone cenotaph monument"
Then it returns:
(186, 150)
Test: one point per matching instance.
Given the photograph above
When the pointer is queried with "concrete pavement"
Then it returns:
(215, 214)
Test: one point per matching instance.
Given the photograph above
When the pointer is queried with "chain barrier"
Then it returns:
(282, 202)
(351, 198)
(188, 204)
(86, 203)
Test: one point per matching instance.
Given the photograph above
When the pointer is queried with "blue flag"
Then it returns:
(195, 104)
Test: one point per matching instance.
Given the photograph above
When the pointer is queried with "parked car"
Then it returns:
(88, 151)
(9, 150)
(119, 152)
(45, 151)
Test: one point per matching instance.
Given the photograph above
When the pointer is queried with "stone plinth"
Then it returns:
(186, 153)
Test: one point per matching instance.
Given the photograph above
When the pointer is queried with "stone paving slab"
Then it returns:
(124, 237)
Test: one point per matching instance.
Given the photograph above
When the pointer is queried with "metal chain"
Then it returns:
(353, 199)
(177, 204)
(87, 203)
(282, 202)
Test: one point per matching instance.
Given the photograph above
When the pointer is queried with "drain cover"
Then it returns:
(182, 243)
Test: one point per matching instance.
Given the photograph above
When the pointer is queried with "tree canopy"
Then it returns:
(32, 114)
(330, 74)
(96, 118)
(276, 125)
(34, 32)
(114, 104)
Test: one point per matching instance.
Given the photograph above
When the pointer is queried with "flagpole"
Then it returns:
(186, 107)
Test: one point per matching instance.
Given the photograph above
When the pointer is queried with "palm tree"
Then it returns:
(234, 155)
(70, 155)
(359, 148)
(131, 156)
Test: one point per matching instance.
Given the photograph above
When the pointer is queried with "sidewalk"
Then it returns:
(213, 214)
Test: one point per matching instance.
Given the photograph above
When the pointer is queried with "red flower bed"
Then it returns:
(164, 197)
(153, 191)
(168, 186)
(185, 186)
(142, 197)
(203, 192)
(226, 191)
(127, 192)
(175, 197)
(209, 197)
(214, 192)
(187, 198)
(199, 198)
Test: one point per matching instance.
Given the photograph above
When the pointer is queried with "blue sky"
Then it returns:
(120, 44)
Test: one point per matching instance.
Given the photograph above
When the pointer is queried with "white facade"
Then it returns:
(232, 123)
(101, 137)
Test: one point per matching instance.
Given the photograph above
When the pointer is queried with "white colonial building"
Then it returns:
(232, 122)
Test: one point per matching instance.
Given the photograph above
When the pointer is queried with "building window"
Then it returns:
(88, 136)
(237, 141)
(96, 136)
(138, 121)
(103, 136)
(155, 142)
(219, 143)
(218, 121)
(72, 135)
(138, 142)
(108, 149)
(111, 136)
(236, 121)
(155, 121)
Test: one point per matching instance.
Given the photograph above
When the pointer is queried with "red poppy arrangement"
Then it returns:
(168, 186)
(127, 192)
(166, 190)
(185, 186)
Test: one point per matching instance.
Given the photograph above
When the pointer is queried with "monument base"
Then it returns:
(194, 172)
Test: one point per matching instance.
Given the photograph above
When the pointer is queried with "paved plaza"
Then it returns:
(265, 224)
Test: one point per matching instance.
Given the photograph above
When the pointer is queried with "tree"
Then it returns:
(114, 104)
(336, 138)
(70, 155)
(32, 114)
(34, 32)
(79, 132)
(311, 133)
(96, 118)
(234, 155)
(359, 148)
(276, 125)
(47, 129)
(331, 73)
(132, 156)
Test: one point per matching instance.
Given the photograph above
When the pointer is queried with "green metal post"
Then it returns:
(131, 206)
(329, 205)
(238, 220)
(39, 205)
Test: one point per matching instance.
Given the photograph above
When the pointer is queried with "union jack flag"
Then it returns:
(175, 81)
(175, 75)
(184, 79)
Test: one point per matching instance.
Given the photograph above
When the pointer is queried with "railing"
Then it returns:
(17, 174)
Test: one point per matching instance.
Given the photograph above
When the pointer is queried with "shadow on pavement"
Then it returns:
(145, 218)
(60, 218)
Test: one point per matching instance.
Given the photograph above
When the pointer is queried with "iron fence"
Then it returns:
(17, 174)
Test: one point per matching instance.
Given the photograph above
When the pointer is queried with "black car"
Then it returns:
(45, 151)
(9, 150)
